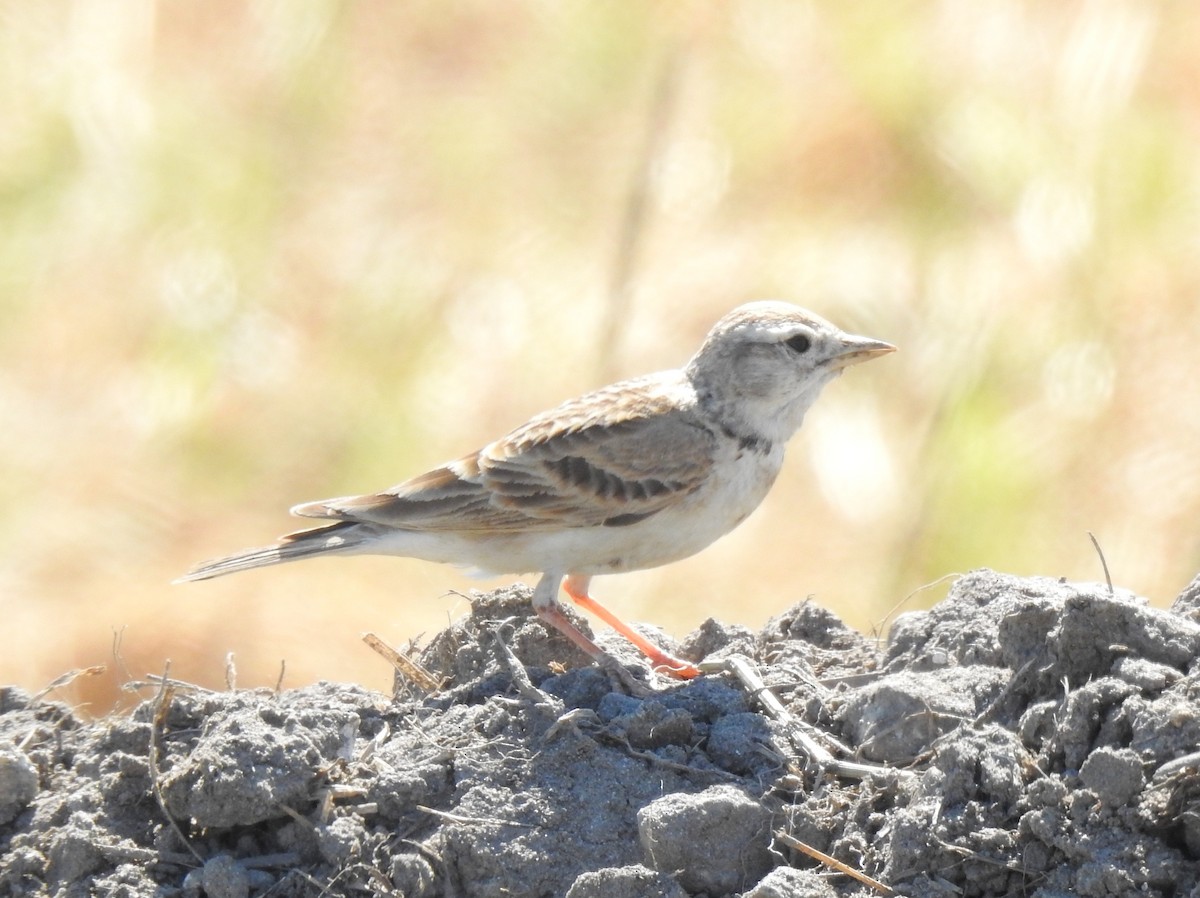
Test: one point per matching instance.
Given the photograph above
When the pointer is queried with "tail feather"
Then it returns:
(330, 539)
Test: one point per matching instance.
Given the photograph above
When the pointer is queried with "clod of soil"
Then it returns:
(1033, 737)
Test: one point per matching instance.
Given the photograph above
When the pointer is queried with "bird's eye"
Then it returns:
(799, 344)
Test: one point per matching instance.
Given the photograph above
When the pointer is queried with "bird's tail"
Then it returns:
(343, 536)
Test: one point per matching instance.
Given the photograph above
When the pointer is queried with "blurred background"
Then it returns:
(258, 253)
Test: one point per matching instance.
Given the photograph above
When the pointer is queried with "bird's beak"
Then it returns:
(858, 349)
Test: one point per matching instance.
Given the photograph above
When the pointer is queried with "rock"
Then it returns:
(224, 877)
(254, 757)
(898, 717)
(716, 841)
(18, 782)
(788, 882)
(634, 881)
(1115, 775)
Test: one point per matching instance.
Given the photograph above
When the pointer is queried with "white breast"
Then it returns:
(740, 482)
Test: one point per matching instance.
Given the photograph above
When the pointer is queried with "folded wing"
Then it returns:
(611, 458)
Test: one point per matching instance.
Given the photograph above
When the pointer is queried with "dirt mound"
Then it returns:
(1033, 737)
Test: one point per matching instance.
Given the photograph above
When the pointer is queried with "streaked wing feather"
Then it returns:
(431, 501)
(618, 455)
(584, 477)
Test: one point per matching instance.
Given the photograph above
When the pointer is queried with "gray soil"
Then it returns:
(1032, 737)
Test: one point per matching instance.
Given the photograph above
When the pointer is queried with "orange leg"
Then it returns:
(576, 587)
(545, 603)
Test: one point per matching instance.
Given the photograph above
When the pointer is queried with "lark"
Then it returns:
(631, 476)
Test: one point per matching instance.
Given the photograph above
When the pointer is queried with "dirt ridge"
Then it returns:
(1039, 737)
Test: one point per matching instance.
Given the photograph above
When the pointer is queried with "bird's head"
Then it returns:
(764, 364)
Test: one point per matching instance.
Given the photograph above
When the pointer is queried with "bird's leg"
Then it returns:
(545, 603)
(576, 587)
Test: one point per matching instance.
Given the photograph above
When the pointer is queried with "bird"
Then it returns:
(635, 475)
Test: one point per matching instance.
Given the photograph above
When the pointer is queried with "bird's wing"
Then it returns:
(613, 457)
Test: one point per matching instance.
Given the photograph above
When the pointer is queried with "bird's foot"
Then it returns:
(577, 588)
(675, 667)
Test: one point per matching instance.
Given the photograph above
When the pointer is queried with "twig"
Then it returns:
(404, 665)
(520, 676)
(686, 769)
(1009, 688)
(752, 681)
(297, 816)
(1010, 866)
(832, 862)
(1189, 763)
(118, 661)
(162, 706)
(879, 627)
(68, 678)
(1103, 562)
(458, 818)
(328, 887)
(159, 681)
(230, 673)
(282, 671)
(130, 853)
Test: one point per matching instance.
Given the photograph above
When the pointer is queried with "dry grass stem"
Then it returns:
(833, 863)
(405, 666)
